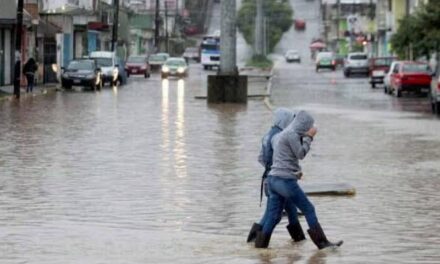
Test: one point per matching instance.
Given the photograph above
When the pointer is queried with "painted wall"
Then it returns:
(398, 10)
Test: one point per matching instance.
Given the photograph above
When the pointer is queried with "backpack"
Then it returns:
(267, 155)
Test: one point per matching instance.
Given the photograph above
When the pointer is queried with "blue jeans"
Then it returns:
(289, 206)
(280, 191)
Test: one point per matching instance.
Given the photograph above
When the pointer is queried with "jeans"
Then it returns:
(30, 83)
(280, 191)
(289, 206)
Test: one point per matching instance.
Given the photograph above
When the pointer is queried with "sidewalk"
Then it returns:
(6, 92)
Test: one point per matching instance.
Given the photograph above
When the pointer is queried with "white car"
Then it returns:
(357, 62)
(292, 56)
(108, 63)
(387, 78)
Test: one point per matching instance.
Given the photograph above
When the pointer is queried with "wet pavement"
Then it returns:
(146, 173)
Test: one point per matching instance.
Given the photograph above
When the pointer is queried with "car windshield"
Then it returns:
(136, 59)
(80, 65)
(176, 63)
(158, 57)
(383, 62)
(358, 57)
(422, 68)
(104, 62)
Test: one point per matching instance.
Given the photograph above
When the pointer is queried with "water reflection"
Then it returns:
(179, 152)
(164, 119)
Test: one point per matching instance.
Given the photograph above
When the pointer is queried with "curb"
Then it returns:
(42, 91)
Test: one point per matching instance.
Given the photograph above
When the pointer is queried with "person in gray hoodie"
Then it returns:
(282, 118)
(290, 146)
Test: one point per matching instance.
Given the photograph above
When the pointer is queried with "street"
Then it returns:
(147, 173)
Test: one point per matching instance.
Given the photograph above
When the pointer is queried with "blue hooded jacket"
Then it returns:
(282, 118)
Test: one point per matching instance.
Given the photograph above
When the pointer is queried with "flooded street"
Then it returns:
(146, 173)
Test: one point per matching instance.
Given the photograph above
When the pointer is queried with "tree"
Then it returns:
(419, 33)
(278, 16)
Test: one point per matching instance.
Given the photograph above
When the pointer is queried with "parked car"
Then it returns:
(356, 62)
(157, 60)
(137, 65)
(82, 72)
(292, 56)
(434, 94)
(325, 60)
(191, 53)
(300, 24)
(175, 67)
(410, 76)
(109, 65)
(378, 68)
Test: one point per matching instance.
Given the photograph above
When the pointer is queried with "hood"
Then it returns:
(302, 123)
(283, 117)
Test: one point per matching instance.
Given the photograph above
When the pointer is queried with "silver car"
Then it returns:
(356, 62)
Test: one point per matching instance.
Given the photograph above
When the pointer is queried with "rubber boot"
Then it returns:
(318, 237)
(253, 233)
(262, 240)
(296, 232)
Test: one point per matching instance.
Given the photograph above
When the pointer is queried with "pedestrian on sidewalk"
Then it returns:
(282, 118)
(290, 146)
(29, 69)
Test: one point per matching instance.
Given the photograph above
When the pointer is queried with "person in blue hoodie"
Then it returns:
(282, 118)
(290, 146)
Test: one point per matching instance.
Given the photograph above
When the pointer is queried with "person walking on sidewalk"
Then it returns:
(282, 118)
(290, 146)
(29, 70)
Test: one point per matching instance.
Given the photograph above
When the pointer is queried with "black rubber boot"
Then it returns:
(262, 240)
(253, 233)
(318, 237)
(296, 231)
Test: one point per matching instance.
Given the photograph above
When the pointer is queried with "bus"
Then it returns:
(210, 51)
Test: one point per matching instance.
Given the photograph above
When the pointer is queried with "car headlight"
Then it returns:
(144, 67)
(165, 69)
(180, 70)
(66, 75)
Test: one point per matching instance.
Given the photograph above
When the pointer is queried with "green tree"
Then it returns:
(278, 16)
(419, 33)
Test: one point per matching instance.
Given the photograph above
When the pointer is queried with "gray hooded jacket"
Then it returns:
(282, 118)
(290, 146)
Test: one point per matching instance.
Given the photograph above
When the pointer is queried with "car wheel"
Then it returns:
(128, 75)
(373, 85)
(436, 108)
(347, 74)
(385, 89)
(164, 76)
(398, 92)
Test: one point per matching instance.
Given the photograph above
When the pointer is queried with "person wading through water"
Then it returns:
(282, 118)
(29, 70)
(290, 146)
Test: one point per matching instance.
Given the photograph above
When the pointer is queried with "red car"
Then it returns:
(300, 24)
(410, 76)
(137, 65)
(379, 66)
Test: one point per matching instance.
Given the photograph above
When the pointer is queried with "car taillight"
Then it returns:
(438, 85)
(333, 62)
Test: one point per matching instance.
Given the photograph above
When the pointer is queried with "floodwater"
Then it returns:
(145, 173)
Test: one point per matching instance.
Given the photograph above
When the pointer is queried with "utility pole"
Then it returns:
(166, 27)
(18, 31)
(115, 25)
(228, 37)
(259, 30)
(338, 21)
(157, 26)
